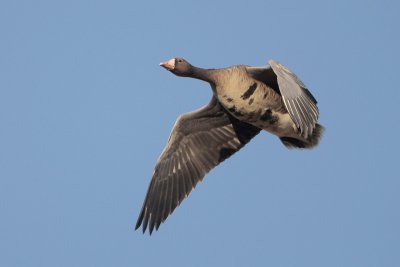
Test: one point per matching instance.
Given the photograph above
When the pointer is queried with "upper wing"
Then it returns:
(298, 100)
(199, 141)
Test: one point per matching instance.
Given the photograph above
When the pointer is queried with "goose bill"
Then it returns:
(169, 65)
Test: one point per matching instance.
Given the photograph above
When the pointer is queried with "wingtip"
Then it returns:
(139, 222)
(272, 62)
(137, 226)
(144, 228)
(151, 228)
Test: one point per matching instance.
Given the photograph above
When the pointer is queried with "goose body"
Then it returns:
(245, 101)
(254, 102)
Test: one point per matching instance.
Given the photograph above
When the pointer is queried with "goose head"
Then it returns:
(178, 66)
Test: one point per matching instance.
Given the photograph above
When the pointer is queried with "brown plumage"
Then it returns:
(245, 101)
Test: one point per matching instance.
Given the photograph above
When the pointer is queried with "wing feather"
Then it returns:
(199, 141)
(301, 104)
(298, 100)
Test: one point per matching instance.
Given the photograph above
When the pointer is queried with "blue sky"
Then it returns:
(85, 111)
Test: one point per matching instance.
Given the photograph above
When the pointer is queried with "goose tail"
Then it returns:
(308, 143)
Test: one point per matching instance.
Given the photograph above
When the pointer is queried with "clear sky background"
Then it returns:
(85, 111)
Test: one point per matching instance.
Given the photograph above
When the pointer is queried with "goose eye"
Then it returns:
(179, 60)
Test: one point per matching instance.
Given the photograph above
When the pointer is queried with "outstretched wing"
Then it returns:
(199, 141)
(298, 100)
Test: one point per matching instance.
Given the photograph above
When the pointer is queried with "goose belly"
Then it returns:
(260, 111)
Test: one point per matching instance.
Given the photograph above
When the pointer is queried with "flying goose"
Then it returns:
(245, 101)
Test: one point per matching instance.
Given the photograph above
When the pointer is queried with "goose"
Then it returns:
(245, 101)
